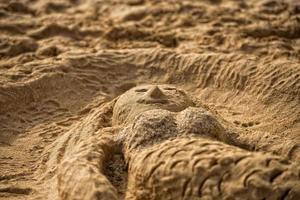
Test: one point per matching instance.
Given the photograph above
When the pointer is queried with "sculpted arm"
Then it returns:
(208, 123)
(81, 174)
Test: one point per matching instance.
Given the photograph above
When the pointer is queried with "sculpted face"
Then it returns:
(149, 97)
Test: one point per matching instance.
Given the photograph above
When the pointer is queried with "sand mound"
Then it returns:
(63, 63)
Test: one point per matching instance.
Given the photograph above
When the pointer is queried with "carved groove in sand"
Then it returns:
(164, 145)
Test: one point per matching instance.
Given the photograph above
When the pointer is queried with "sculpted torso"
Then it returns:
(174, 149)
(152, 114)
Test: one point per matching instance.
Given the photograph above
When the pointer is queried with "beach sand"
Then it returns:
(61, 61)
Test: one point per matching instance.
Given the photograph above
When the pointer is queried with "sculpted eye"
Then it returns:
(169, 88)
(141, 90)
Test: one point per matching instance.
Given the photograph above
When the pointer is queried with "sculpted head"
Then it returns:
(148, 97)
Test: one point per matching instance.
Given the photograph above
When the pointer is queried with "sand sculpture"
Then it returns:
(162, 145)
(64, 63)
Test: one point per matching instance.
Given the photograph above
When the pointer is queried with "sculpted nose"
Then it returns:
(155, 93)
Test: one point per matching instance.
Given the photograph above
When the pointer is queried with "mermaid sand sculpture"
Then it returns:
(174, 149)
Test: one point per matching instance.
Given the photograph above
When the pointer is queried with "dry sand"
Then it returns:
(63, 62)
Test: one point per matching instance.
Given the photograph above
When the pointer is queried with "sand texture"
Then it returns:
(150, 99)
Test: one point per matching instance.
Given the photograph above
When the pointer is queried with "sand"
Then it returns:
(64, 63)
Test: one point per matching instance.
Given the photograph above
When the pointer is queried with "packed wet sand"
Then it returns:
(65, 64)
